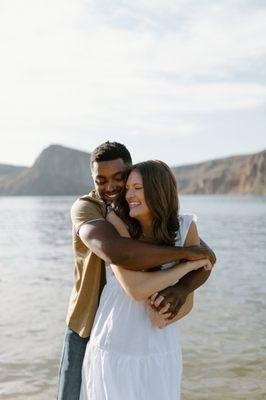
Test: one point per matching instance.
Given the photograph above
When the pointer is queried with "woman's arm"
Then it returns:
(141, 285)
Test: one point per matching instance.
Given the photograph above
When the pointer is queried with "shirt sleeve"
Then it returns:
(84, 211)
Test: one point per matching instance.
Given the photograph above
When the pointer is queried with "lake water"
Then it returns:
(223, 337)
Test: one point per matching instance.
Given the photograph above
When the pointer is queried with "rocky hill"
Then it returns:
(238, 174)
(63, 171)
(57, 171)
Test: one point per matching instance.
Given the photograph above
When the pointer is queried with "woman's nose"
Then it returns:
(129, 193)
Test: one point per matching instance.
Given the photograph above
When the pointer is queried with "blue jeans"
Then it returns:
(71, 364)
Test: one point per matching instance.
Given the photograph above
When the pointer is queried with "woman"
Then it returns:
(128, 357)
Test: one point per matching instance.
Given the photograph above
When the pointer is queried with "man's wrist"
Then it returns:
(192, 253)
(182, 288)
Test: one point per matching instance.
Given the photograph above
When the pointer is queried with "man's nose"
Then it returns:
(110, 186)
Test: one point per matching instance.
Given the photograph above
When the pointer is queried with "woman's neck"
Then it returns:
(147, 228)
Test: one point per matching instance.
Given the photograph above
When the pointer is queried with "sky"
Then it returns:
(182, 81)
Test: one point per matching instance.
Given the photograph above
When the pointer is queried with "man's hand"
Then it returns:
(174, 296)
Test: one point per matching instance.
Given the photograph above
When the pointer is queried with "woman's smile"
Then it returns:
(135, 196)
(133, 204)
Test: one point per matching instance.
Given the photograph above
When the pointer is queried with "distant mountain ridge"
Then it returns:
(244, 174)
(8, 170)
(60, 170)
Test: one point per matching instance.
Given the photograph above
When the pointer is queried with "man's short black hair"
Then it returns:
(110, 151)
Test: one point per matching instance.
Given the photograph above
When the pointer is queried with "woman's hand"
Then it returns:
(204, 263)
(157, 318)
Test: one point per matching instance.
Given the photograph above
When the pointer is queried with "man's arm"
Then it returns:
(176, 295)
(104, 240)
(184, 310)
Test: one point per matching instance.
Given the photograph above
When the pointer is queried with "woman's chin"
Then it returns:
(133, 214)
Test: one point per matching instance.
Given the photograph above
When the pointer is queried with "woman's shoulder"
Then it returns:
(185, 220)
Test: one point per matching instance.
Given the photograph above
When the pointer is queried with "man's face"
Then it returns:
(109, 178)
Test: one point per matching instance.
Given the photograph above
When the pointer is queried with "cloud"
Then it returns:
(139, 67)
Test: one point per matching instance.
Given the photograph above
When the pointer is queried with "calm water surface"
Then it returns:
(223, 337)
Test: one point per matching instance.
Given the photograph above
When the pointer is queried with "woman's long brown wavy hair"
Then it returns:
(160, 189)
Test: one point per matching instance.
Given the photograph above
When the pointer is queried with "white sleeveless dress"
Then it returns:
(126, 357)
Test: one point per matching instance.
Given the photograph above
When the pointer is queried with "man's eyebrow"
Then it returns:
(104, 177)
(120, 173)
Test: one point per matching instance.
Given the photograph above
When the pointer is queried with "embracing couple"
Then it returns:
(137, 264)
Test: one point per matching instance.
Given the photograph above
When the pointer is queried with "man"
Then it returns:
(96, 242)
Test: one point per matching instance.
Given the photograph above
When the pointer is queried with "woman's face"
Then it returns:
(135, 196)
